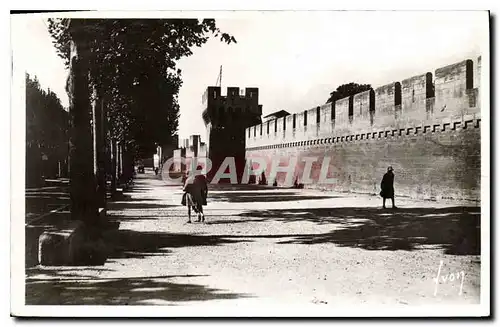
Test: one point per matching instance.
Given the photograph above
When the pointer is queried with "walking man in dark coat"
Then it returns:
(387, 186)
(195, 195)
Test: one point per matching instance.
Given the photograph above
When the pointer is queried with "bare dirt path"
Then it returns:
(274, 245)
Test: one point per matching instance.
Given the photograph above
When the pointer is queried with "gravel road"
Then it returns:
(265, 245)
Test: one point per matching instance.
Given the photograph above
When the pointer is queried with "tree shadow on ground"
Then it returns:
(135, 244)
(455, 229)
(112, 197)
(136, 204)
(231, 221)
(120, 291)
(242, 187)
(67, 271)
(139, 189)
(145, 189)
(44, 204)
(242, 197)
(121, 218)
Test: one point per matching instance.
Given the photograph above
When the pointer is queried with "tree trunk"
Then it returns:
(107, 149)
(119, 161)
(82, 179)
(99, 148)
(127, 165)
(104, 149)
(113, 165)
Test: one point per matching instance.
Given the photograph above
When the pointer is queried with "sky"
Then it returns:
(35, 54)
(295, 58)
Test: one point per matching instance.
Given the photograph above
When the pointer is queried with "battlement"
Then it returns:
(426, 126)
(451, 93)
(236, 107)
(214, 94)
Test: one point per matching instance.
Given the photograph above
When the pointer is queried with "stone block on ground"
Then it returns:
(61, 246)
(32, 242)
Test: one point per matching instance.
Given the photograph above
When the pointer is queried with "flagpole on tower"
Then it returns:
(220, 76)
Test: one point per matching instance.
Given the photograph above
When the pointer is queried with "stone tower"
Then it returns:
(226, 118)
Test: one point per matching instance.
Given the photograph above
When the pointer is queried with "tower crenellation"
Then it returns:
(227, 119)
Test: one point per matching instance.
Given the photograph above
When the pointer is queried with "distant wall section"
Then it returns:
(427, 127)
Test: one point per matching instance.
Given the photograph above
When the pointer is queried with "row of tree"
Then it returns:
(46, 134)
(122, 87)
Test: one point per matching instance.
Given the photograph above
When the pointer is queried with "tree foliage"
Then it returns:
(132, 65)
(46, 129)
(46, 119)
(347, 90)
